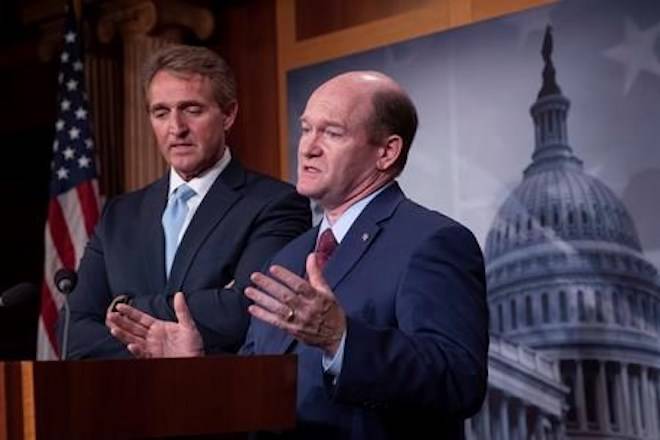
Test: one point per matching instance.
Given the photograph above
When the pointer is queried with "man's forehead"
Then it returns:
(190, 80)
(337, 106)
(196, 87)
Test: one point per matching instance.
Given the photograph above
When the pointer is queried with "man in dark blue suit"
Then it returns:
(384, 303)
(228, 224)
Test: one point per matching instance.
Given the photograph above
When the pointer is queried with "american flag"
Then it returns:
(74, 194)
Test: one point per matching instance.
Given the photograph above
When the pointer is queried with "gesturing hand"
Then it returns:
(306, 309)
(148, 337)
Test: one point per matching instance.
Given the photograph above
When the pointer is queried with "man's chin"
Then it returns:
(306, 189)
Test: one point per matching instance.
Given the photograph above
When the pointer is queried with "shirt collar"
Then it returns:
(202, 183)
(346, 220)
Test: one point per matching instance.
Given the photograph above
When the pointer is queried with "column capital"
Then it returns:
(152, 17)
(42, 46)
(51, 38)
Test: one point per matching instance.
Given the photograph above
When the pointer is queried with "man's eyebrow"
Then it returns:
(189, 103)
(325, 122)
(180, 104)
(157, 106)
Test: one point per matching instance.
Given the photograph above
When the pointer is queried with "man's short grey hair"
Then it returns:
(187, 60)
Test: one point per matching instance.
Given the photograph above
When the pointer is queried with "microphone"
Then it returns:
(65, 282)
(18, 294)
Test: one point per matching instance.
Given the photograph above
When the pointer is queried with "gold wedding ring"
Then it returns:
(291, 315)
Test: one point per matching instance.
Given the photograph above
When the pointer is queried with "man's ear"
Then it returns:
(389, 152)
(230, 111)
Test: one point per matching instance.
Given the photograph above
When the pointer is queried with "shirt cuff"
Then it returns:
(333, 365)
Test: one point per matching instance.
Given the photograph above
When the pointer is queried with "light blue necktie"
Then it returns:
(173, 218)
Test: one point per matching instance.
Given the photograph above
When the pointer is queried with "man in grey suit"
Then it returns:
(202, 228)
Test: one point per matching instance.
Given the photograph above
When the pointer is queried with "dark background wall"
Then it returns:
(27, 110)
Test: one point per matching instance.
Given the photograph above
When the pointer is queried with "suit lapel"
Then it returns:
(218, 201)
(362, 233)
(348, 253)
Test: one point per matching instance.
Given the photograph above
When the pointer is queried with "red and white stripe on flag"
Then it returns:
(75, 202)
(71, 220)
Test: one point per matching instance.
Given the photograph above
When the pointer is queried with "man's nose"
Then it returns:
(309, 145)
(177, 124)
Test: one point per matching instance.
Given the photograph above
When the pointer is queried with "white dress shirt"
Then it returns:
(200, 184)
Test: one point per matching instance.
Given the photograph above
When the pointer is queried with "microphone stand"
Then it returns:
(65, 336)
(65, 282)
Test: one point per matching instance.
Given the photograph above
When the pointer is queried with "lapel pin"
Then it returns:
(365, 237)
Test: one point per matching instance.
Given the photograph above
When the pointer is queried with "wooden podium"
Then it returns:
(156, 398)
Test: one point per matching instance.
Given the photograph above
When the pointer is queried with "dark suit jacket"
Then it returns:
(412, 284)
(242, 221)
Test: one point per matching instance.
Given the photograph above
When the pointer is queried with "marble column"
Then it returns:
(522, 421)
(645, 400)
(635, 405)
(603, 401)
(653, 428)
(580, 399)
(505, 426)
(561, 430)
(540, 428)
(467, 427)
(626, 420)
(619, 405)
(657, 400)
(104, 79)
